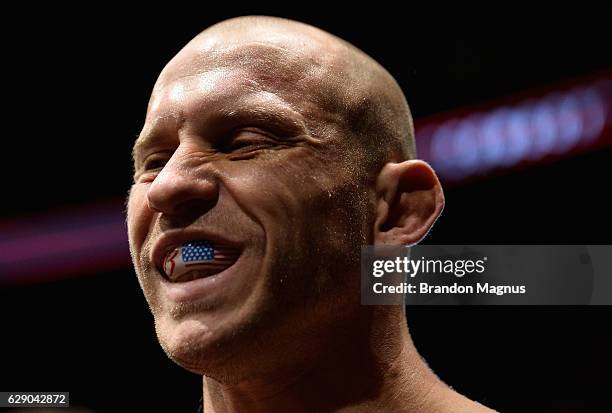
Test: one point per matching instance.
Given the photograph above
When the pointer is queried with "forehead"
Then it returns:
(262, 65)
(219, 93)
(283, 64)
(210, 97)
(227, 77)
(258, 46)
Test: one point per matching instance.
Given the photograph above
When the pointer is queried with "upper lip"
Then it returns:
(170, 240)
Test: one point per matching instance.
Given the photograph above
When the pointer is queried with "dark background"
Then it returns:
(78, 87)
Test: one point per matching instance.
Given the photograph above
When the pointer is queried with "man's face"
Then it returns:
(234, 150)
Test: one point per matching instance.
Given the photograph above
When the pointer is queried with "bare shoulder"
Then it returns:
(465, 405)
(450, 401)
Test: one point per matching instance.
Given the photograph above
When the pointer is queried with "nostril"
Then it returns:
(186, 214)
(174, 193)
(195, 208)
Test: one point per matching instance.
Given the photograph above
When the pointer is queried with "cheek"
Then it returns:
(315, 220)
(138, 217)
(296, 196)
(274, 191)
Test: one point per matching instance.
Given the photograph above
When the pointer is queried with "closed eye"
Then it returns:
(155, 162)
(247, 139)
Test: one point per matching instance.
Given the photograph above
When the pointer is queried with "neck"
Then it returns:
(375, 368)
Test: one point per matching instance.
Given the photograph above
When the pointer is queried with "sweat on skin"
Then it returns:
(294, 148)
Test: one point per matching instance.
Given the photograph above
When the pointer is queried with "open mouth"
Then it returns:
(198, 259)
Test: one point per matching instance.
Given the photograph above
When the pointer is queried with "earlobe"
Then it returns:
(410, 199)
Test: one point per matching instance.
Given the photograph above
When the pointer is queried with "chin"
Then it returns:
(189, 343)
(199, 344)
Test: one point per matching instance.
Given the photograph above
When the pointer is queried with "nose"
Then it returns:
(183, 183)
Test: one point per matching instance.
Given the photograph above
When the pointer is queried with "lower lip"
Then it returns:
(181, 292)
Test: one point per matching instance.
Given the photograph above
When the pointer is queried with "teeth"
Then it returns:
(198, 259)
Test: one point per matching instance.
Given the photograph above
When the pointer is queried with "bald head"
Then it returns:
(288, 147)
(356, 96)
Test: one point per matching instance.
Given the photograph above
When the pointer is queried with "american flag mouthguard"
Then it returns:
(201, 255)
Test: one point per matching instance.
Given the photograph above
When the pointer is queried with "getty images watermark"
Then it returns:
(487, 275)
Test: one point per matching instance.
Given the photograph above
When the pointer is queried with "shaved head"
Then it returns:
(361, 100)
(284, 150)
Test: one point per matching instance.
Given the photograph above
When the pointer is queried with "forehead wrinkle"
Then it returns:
(269, 63)
(313, 77)
(173, 90)
(242, 99)
(230, 94)
(193, 61)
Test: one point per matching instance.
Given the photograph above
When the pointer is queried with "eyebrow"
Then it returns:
(278, 118)
(148, 139)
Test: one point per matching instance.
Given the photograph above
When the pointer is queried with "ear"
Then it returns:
(410, 199)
